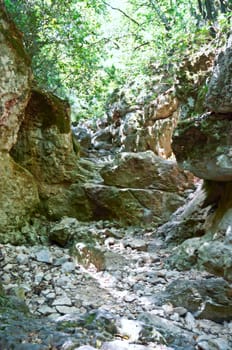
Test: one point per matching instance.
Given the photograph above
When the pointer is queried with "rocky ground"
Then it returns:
(111, 295)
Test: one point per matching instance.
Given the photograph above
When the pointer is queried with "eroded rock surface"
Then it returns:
(45, 148)
(219, 97)
(203, 145)
(18, 190)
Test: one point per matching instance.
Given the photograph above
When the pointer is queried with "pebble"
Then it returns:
(44, 256)
(53, 284)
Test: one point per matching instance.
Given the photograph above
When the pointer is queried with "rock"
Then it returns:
(22, 259)
(208, 298)
(62, 301)
(174, 336)
(15, 80)
(145, 170)
(180, 310)
(203, 146)
(68, 267)
(19, 198)
(65, 309)
(219, 98)
(45, 148)
(190, 321)
(18, 190)
(116, 345)
(132, 206)
(129, 328)
(216, 258)
(209, 343)
(44, 256)
(135, 243)
(85, 347)
(62, 232)
(45, 310)
(87, 254)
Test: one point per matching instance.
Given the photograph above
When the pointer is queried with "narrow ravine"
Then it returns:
(108, 293)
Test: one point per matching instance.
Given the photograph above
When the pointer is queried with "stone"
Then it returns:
(45, 148)
(145, 170)
(129, 328)
(68, 267)
(65, 309)
(62, 301)
(173, 335)
(188, 221)
(135, 243)
(202, 145)
(18, 190)
(209, 343)
(85, 347)
(130, 206)
(45, 310)
(210, 298)
(219, 94)
(22, 259)
(63, 231)
(190, 321)
(116, 345)
(216, 258)
(44, 256)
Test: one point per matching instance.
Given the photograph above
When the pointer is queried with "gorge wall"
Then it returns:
(120, 169)
(203, 146)
(44, 178)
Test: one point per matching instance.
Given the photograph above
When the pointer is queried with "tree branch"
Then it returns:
(124, 13)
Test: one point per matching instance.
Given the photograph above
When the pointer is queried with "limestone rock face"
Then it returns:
(219, 97)
(139, 188)
(132, 206)
(132, 128)
(204, 146)
(15, 76)
(18, 195)
(45, 148)
(18, 190)
(146, 170)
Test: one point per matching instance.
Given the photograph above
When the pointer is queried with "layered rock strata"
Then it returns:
(203, 145)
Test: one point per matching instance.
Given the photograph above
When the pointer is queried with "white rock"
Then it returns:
(62, 301)
(45, 310)
(66, 309)
(68, 267)
(44, 256)
(22, 259)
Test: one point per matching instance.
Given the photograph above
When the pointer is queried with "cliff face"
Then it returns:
(18, 190)
(38, 162)
(204, 146)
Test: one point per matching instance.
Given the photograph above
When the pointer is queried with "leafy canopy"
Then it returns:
(84, 49)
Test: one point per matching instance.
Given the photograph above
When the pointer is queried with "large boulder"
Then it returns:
(15, 77)
(146, 170)
(219, 96)
(18, 190)
(45, 148)
(139, 188)
(203, 146)
(18, 196)
(206, 298)
(132, 206)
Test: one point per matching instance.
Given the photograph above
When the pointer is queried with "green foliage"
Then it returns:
(85, 49)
